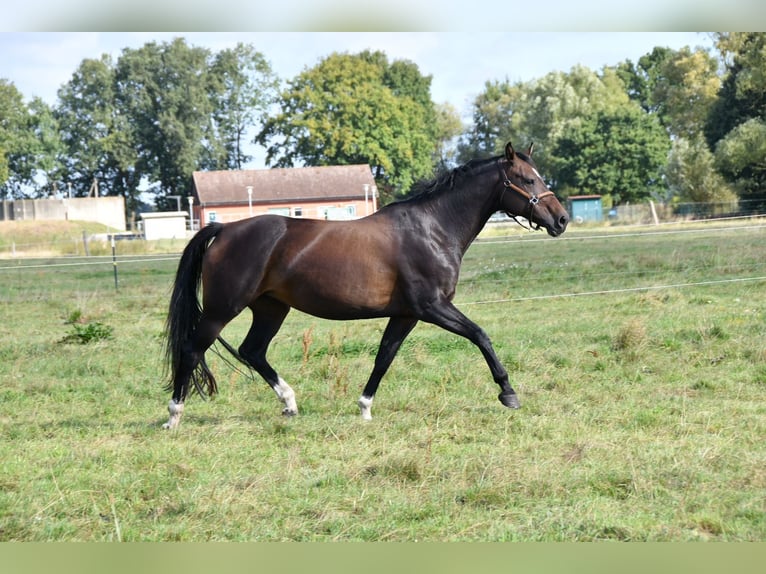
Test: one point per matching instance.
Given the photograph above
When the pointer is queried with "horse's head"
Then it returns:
(526, 195)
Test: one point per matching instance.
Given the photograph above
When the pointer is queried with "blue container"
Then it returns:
(584, 208)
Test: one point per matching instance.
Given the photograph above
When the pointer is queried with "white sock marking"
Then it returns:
(287, 396)
(175, 409)
(365, 405)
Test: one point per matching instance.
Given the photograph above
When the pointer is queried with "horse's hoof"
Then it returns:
(289, 412)
(509, 400)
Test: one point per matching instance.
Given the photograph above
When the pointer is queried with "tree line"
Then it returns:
(684, 125)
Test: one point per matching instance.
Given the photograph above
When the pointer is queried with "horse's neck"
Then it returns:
(463, 211)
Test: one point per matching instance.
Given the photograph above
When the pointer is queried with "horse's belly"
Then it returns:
(339, 291)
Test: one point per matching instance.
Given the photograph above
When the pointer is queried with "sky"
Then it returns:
(39, 63)
(460, 63)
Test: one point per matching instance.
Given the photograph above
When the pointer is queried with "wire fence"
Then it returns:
(485, 277)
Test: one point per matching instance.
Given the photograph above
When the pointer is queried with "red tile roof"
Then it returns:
(282, 185)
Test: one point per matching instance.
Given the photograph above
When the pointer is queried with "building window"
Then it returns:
(297, 212)
(212, 216)
(351, 210)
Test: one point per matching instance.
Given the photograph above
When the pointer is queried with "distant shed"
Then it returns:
(164, 225)
(585, 208)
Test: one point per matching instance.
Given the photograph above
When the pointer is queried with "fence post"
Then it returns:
(654, 213)
(114, 264)
(85, 242)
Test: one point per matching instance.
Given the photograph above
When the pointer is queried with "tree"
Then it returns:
(493, 110)
(448, 127)
(641, 79)
(161, 112)
(691, 175)
(735, 126)
(163, 89)
(618, 152)
(743, 92)
(242, 85)
(98, 137)
(14, 137)
(741, 157)
(352, 109)
(539, 111)
(48, 143)
(685, 90)
(28, 143)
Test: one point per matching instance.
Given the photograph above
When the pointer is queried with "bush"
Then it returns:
(88, 333)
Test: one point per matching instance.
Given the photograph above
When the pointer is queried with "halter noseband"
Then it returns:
(533, 200)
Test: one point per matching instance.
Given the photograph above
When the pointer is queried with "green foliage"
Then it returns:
(4, 171)
(539, 111)
(735, 124)
(621, 153)
(74, 317)
(640, 79)
(84, 333)
(98, 137)
(743, 92)
(158, 113)
(162, 88)
(448, 127)
(492, 110)
(739, 155)
(691, 173)
(678, 86)
(352, 109)
(685, 91)
(242, 88)
(28, 141)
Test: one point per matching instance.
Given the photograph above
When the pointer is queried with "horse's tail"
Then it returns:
(185, 310)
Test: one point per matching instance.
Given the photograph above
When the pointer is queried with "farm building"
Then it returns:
(585, 208)
(329, 192)
(164, 225)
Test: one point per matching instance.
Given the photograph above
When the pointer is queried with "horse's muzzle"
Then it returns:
(559, 226)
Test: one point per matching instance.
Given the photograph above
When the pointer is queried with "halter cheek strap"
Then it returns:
(533, 199)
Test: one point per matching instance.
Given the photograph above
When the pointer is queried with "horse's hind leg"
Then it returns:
(268, 316)
(192, 364)
(396, 331)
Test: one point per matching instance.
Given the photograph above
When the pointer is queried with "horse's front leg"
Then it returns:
(447, 316)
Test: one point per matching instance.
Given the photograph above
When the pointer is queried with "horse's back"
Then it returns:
(333, 269)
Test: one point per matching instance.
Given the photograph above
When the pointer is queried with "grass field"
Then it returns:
(639, 359)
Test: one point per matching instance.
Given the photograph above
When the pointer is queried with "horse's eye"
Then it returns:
(529, 181)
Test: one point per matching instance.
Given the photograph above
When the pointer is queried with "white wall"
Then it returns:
(164, 225)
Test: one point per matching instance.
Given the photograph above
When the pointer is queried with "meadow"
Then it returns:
(639, 356)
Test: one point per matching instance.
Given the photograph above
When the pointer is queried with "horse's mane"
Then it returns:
(446, 179)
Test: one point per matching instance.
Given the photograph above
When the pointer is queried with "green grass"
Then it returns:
(642, 411)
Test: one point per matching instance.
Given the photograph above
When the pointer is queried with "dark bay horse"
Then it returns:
(402, 262)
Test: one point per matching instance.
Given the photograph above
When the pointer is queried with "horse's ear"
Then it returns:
(531, 149)
(509, 153)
